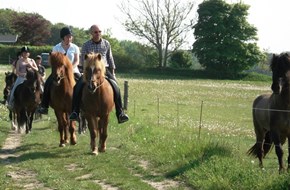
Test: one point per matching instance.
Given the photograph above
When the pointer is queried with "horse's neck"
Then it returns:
(285, 97)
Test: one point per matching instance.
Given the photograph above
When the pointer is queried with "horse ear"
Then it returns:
(99, 56)
(86, 56)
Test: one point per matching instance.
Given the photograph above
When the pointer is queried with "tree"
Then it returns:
(225, 41)
(6, 18)
(32, 28)
(161, 22)
(181, 59)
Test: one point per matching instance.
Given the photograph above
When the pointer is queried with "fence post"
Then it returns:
(126, 88)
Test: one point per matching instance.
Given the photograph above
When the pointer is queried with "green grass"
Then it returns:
(202, 148)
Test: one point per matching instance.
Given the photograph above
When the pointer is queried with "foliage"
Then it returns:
(6, 18)
(32, 28)
(10, 52)
(79, 35)
(225, 41)
(181, 59)
(162, 23)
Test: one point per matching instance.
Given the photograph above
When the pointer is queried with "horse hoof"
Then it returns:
(73, 143)
(102, 149)
(95, 152)
(62, 145)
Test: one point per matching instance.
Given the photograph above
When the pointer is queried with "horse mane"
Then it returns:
(58, 59)
(94, 60)
(280, 63)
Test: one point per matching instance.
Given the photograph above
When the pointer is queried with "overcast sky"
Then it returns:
(268, 16)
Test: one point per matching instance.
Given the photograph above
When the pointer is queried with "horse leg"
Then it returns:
(72, 129)
(103, 125)
(278, 150)
(92, 123)
(27, 122)
(13, 120)
(61, 128)
(29, 126)
(66, 129)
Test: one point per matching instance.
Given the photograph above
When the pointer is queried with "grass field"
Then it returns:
(182, 134)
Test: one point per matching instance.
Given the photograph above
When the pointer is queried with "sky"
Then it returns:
(269, 17)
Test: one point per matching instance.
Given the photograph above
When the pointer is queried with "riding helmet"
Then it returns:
(24, 49)
(65, 31)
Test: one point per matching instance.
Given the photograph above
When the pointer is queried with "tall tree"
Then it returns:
(161, 22)
(225, 41)
(32, 28)
(6, 18)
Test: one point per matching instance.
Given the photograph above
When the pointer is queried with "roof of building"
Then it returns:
(8, 38)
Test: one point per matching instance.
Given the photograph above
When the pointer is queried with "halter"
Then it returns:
(98, 86)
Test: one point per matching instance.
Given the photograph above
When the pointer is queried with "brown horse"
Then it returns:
(271, 113)
(61, 91)
(97, 100)
(27, 99)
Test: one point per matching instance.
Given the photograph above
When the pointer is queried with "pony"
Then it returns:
(61, 91)
(10, 78)
(97, 100)
(27, 97)
(271, 113)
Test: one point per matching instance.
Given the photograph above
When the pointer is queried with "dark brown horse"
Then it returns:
(10, 79)
(271, 113)
(97, 100)
(27, 99)
(61, 92)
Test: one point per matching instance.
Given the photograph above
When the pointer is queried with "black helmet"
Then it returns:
(65, 31)
(24, 49)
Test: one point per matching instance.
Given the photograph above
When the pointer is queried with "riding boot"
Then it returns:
(121, 116)
(76, 101)
(45, 96)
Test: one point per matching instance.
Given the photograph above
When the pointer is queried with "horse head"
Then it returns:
(280, 66)
(10, 79)
(61, 68)
(33, 80)
(94, 72)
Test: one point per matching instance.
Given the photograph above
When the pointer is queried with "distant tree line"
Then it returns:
(225, 41)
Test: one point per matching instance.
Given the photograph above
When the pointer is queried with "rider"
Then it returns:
(99, 45)
(23, 62)
(72, 51)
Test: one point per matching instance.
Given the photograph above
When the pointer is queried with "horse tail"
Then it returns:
(253, 151)
(268, 143)
(256, 149)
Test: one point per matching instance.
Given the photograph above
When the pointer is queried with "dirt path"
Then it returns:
(24, 179)
(12, 142)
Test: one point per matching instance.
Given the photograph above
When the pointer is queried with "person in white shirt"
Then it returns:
(72, 51)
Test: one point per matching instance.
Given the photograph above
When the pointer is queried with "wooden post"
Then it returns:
(126, 89)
